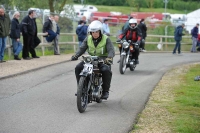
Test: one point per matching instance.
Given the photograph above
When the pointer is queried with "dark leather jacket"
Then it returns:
(28, 26)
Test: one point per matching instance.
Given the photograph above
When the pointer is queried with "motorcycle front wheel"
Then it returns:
(122, 64)
(82, 95)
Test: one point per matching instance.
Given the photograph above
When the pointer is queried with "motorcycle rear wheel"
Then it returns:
(82, 95)
(122, 64)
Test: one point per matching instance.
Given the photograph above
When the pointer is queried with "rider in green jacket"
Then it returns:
(97, 44)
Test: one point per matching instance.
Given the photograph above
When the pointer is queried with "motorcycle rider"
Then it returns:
(97, 44)
(134, 34)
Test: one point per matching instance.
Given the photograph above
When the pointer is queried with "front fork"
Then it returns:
(127, 54)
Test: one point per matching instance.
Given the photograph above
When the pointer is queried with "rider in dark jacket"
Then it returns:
(134, 34)
(99, 45)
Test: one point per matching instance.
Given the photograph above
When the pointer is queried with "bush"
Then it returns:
(65, 24)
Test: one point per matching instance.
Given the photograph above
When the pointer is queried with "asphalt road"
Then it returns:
(43, 101)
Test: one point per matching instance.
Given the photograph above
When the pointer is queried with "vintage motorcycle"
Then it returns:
(90, 83)
(127, 48)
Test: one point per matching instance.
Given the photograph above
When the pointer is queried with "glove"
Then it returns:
(74, 57)
(109, 61)
(137, 45)
(138, 42)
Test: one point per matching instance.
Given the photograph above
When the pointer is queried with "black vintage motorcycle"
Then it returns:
(90, 83)
(127, 48)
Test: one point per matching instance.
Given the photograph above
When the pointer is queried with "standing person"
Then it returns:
(106, 29)
(4, 32)
(178, 37)
(15, 35)
(83, 19)
(56, 29)
(48, 29)
(143, 28)
(134, 34)
(81, 32)
(194, 33)
(28, 32)
(198, 43)
(36, 41)
(99, 45)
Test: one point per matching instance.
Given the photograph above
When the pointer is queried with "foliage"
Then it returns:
(53, 5)
(65, 24)
(108, 2)
(135, 3)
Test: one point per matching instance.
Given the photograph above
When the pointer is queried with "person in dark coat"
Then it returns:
(4, 32)
(48, 29)
(15, 35)
(194, 33)
(29, 30)
(178, 37)
(143, 28)
(81, 32)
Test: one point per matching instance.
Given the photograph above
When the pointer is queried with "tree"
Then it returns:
(53, 5)
(150, 3)
(135, 3)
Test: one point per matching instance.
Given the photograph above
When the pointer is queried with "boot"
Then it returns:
(136, 61)
(105, 95)
(16, 57)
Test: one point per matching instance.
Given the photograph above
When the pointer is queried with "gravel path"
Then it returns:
(13, 67)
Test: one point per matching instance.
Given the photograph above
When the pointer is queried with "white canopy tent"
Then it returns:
(192, 19)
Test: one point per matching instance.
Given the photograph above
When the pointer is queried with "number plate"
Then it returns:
(88, 68)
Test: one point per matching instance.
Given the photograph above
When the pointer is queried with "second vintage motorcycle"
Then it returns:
(127, 48)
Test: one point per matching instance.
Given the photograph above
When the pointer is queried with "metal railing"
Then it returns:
(74, 41)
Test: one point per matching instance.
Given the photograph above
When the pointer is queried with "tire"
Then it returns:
(82, 95)
(122, 64)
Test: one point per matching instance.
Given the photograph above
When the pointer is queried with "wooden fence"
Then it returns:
(44, 44)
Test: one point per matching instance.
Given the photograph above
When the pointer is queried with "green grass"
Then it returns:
(128, 10)
(186, 106)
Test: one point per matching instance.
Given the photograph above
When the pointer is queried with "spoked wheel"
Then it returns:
(122, 65)
(82, 95)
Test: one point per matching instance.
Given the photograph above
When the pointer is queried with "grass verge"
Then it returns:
(174, 105)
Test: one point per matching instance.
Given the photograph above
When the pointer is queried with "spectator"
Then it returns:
(178, 37)
(81, 32)
(4, 32)
(36, 42)
(48, 29)
(29, 30)
(56, 29)
(15, 35)
(83, 19)
(106, 29)
(198, 43)
(194, 33)
(143, 28)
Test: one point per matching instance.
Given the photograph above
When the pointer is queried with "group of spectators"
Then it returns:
(28, 28)
(178, 33)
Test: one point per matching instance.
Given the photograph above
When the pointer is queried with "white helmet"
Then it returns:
(95, 26)
(132, 21)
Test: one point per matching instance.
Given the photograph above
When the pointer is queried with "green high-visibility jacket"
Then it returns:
(100, 50)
